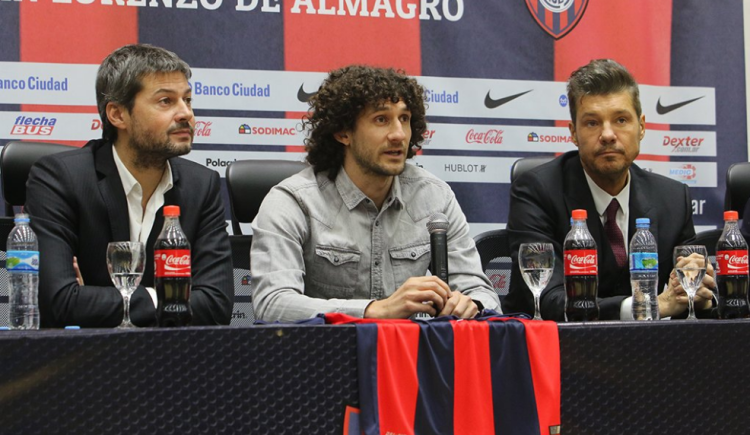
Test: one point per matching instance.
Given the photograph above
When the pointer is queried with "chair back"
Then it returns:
(243, 313)
(6, 225)
(738, 187)
(494, 253)
(524, 164)
(16, 161)
(249, 181)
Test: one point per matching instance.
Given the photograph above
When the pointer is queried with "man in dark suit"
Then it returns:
(113, 189)
(607, 127)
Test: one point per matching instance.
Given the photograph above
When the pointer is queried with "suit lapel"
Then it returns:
(172, 197)
(640, 205)
(112, 192)
(578, 195)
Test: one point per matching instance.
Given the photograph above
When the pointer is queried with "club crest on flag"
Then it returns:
(557, 17)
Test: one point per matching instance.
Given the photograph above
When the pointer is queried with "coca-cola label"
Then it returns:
(581, 262)
(172, 263)
(731, 262)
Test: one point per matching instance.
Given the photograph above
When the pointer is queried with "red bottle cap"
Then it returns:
(579, 214)
(731, 215)
(171, 210)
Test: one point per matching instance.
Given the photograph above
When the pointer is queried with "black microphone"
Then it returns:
(438, 229)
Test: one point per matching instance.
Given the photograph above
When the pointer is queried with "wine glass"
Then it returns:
(690, 264)
(536, 261)
(125, 261)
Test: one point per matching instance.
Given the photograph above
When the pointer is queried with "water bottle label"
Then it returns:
(644, 261)
(169, 263)
(581, 262)
(22, 261)
(731, 262)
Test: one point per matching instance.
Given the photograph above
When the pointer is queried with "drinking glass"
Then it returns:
(690, 265)
(125, 261)
(536, 261)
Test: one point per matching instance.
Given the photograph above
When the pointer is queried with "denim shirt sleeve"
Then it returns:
(277, 264)
(465, 272)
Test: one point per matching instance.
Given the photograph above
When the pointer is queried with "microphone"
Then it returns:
(438, 229)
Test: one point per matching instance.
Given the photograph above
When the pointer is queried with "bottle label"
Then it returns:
(22, 261)
(172, 263)
(644, 261)
(581, 262)
(731, 262)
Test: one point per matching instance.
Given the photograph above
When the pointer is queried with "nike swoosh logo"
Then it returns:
(491, 103)
(304, 96)
(663, 110)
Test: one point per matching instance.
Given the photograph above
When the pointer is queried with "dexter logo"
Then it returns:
(683, 141)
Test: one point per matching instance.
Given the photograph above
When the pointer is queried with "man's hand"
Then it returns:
(674, 299)
(460, 305)
(424, 294)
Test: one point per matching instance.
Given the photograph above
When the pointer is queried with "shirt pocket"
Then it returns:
(335, 273)
(408, 261)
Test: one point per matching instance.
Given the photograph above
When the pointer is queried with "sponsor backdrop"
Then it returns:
(494, 72)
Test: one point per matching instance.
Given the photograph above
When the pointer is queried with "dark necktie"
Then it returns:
(614, 235)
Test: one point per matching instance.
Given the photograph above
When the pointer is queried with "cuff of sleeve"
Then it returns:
(626, 309)
(354, 307)
(486, 301)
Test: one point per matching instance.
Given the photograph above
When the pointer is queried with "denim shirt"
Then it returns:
(322, 246)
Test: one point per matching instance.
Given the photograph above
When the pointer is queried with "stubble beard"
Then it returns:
(370, 166)
(151, 153)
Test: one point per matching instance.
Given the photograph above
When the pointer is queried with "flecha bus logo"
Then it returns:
(33, 126)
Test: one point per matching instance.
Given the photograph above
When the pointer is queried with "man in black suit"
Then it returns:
(113, 189)
(607, 127)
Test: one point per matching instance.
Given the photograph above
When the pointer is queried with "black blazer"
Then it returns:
(77, 206)
(541, 202)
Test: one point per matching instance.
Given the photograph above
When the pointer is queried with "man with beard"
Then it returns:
(607, 126)
(348, 234)
(114, 188)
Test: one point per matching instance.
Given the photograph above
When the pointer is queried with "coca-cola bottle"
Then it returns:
(581, 271)
(172, 273)
(731, 270)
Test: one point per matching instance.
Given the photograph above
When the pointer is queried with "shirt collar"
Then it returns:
(602, 198)
(352, 196)
(129, 183)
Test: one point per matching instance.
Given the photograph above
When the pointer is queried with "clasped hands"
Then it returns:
(674, 300)
(423, 294)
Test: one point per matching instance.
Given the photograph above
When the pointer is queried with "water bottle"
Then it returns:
(731, 270)
(581, 271)
(22, 263)
(644, 272)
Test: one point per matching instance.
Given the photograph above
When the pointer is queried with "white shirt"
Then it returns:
(142, 222)
(601, 202)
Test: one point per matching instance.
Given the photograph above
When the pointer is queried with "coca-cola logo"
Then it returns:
(582, 260)
(175, 308)
(491, 136)
(203, 128)
(736, 260)
(176, 262)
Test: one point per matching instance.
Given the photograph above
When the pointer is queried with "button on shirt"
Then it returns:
(142, 222)
(322, 246)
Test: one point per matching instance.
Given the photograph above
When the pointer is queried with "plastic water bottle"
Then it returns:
(23, 269)
(644, 272)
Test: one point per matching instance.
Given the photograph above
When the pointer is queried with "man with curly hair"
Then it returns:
(348, 234)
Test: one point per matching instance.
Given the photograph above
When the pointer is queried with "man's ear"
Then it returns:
(344, 137)
(572, 128)
(117, 115)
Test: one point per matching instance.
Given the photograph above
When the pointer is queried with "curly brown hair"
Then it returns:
(342, 97)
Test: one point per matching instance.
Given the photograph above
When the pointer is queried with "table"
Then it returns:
(667, 377)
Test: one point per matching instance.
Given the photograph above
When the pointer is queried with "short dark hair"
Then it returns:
(342, 97)
(119, 77)
(601, 77)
